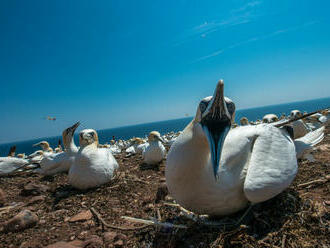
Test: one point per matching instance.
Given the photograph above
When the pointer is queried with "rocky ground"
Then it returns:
(41, 211)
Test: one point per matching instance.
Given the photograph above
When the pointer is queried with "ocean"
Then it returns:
(163, 127)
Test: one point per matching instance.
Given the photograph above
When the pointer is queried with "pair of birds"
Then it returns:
(88, 166)
(153, 151)
(218, 170)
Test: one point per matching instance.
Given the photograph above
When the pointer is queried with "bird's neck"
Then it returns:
(69, 145)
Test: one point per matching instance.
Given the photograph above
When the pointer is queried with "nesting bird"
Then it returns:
(244, 121)
(93, 166)
(300, 129)
(213, 169)
(270, 118)
(54, 163)
(44, 146)
(155, 151)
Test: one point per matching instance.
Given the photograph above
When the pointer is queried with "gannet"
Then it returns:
(12, 151)
(154, 152)
(9, 164)
(21, 155)
(54, 163)
(270, 118)
(36, 157)
(244, 121)
(93, 166)
(44, 146)
(299, 127)
(137, 146)
(213, 170)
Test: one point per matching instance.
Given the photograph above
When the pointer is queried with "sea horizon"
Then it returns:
(165, 126)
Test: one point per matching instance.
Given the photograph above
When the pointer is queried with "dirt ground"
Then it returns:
(298, 217)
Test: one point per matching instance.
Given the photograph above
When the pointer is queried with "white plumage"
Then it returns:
(53, 163)
(154, 152)
(93, 166)
(9, 164)
(256, 163)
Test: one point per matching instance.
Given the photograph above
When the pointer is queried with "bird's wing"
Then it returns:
(308, 141)
(9, 164)
(272, 165)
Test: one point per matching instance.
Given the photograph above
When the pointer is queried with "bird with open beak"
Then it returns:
(217, 114)
(217, 170)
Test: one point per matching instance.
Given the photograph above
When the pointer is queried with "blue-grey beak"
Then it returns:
(216, 123)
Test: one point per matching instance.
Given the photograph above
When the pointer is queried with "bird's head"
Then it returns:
(244, 121)
(214, 117)
(270, 118)
(68, 133)
(87, 137)
(155, 136)
(44, 145)
(295, 114)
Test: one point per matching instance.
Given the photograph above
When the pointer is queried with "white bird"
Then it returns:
(270, 118)
(244, 121)
(45, 147)
(299, 127)
(93, 166)
(154, 152)
(216, 171)
(9, 164)
(54, 163)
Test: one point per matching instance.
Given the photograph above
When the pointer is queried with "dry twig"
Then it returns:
(104, 223)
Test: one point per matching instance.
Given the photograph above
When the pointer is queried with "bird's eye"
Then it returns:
(203, 106)
(91, 134)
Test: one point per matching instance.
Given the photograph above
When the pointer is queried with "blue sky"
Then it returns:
(113, 63)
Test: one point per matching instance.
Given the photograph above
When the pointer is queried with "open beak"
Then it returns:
(216, 122)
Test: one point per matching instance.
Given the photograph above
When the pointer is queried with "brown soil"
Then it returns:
(298, 217)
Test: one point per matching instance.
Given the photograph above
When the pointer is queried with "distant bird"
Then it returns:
(244, 121)
(59, 149)
(53, 163)
(212, 169)
(51, 118)
(299, 126)
(44, 146)
(21, 155)
(155, 151)
(93, 166)
(12, 151)
(270, 118)
(9, 164)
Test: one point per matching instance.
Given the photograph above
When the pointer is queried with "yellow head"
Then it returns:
(88, 137)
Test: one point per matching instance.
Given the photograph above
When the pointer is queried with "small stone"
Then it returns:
(93, 242)
(21, 221)
(2, 198)
(109, 237)
(42, 222)
(81, 216)
(119, 243)
(83, 235)
(36, 199)
(34, 189)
